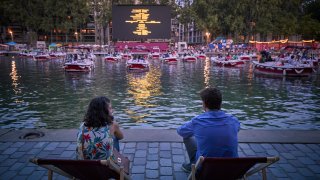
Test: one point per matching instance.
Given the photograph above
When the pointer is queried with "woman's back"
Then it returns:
(94, 143)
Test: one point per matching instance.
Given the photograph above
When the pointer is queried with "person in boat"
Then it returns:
(99, 133)
(212, 133)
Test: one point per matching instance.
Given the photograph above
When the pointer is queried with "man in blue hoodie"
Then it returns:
(212, 133)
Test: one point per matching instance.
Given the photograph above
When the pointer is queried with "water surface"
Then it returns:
(37, 94)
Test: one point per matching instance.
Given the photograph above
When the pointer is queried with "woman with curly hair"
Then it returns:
(99, 133)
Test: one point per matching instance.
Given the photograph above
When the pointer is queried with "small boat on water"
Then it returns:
(189, 58)
(137, 63)
(227, 61)
(112, 58)
(283, 69)
(79, 60)
(41, 55)
(169, 58)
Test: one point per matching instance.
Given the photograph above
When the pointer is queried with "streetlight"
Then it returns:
(11, 33)
(207, 35)
(76, 34)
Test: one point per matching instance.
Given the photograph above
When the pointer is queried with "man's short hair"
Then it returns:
(211, 97)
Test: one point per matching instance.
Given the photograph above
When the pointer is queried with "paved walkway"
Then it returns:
(157, 159)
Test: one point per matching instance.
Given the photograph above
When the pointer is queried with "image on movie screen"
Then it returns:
(131, 22)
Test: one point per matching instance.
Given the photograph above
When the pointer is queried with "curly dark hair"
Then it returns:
(97, 114)
(212, 98)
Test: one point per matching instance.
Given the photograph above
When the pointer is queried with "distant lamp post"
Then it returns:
(208, 36)
(76, 34)
(11, 33)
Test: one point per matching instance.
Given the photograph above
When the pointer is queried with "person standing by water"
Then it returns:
(212, 133)
(99, 134)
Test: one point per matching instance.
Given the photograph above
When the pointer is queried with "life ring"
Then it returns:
(298, 72)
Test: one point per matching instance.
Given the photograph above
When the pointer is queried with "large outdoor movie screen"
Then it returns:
(134, 22)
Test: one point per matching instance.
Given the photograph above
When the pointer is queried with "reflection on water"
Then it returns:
(142, 87)
(41, 94)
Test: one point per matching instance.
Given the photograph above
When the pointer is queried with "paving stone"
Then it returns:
(141, 153)
(306, 160)
(166, 177)
(20, 177)
(5, 145)
(51, 146)
(296, 163)
(17, 144)
(17, 166)
(277, 172)
(314, 147)
(180, 175)
(244, 146)
(305, 172)
(177, 151)
(68, 154)
(8, 162)
(138, 169)
(57, 151)
(165, 146)
(314, 156)
(3, 157)
(71, 147)
(8, 175)
(176, 145)
(130, 145)
(142, 145)
(257, 148)
(288, 168)
(249, 152)
(165, 154)
(287, 156)
(272, 152)
(153, 150)
(137, 176)
(165, 162)
(297, 153)
(267, 146)
(290, 147)
(152, 157)
(36, 175)
(27, 170)
(33, 151)
(178, 158)
(165, 171)
(63, 144)
(152, 173)
(152, 165)
(315, 168)
(40, 144)
(129, 150)
(303, 148)
(3, 169)
(10, 151)
(27, 146)
(296, 176)
(154, 144)
(177, 167)
(139, 161)
(280, 148)
(17, 155)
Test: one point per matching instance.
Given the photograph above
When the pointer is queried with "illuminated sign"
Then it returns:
(136, 22)
(141, 17)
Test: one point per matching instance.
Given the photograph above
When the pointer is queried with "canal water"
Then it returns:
(36, 94)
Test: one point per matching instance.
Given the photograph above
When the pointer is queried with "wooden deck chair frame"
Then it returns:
(257, 164)
(103, 168)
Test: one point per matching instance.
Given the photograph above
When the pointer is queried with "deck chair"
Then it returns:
(230, 168)
(82, 169)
